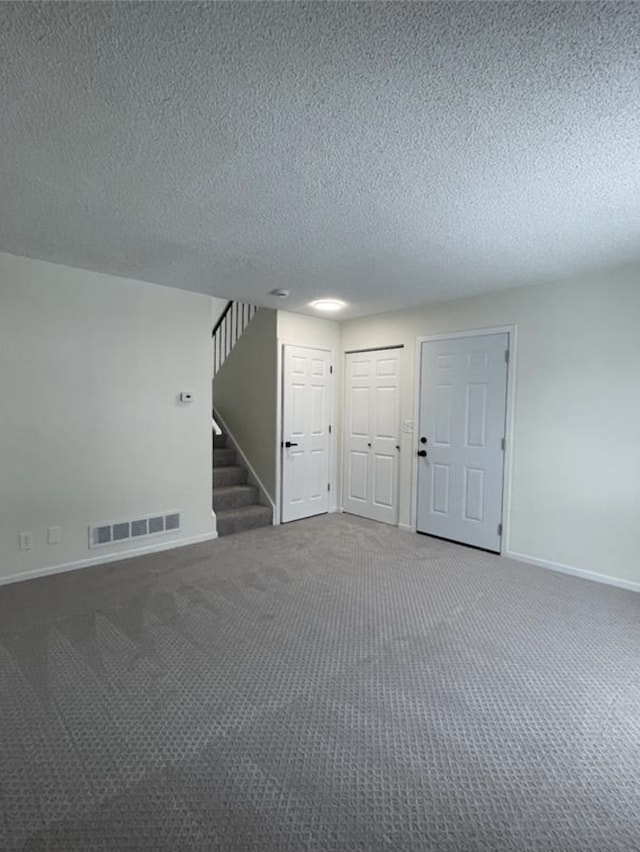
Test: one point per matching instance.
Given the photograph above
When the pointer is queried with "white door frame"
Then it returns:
(282, 342)
(507, 470)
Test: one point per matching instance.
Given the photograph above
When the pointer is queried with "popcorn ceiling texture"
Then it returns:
(390, 154)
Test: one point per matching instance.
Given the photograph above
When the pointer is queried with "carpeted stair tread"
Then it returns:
(233, 496)
(229, 475)
(242, 518)
(235, 501)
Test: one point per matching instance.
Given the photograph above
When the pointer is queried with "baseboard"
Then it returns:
(406, 527)
(157, 547)
(629, 585)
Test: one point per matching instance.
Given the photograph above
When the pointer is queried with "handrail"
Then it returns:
(230, 325)
(221, 318)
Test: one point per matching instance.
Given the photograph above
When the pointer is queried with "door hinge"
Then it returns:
(506, 355)
(331, 370)
(503, 444)
(328, 486)
(499, 529)
(329, 428)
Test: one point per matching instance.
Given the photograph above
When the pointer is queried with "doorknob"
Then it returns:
(290, 444)
(423, 440)
(368, 445)
(422, 453)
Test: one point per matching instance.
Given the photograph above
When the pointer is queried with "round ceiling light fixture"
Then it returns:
(328, 306)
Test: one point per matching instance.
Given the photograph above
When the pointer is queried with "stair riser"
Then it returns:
(228, 526)
(229, 476)
(245, 496)
(223, 457)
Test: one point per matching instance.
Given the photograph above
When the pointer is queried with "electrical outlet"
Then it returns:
(25, 541)
(54, 535)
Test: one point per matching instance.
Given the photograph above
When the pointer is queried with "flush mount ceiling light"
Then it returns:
(328, 306)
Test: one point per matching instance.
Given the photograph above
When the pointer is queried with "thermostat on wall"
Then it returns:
(186, 396)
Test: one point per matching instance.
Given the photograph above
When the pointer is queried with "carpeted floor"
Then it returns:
(329, 685)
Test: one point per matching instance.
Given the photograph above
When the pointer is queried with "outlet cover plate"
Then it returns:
(54, 535)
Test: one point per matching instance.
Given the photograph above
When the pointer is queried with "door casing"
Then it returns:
(507, 470)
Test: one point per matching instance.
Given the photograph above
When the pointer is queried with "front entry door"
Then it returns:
(463, 389)
(306, 420)
(371, 439)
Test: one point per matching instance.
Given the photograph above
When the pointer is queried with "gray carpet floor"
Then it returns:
(329, 685)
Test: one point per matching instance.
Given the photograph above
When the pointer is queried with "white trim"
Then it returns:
(253, 476)
(507, 471)
(510, 430)
(472, 332)
(108, 557)
(406, 528)
(282, 342)
(417, 370)
(573, 571)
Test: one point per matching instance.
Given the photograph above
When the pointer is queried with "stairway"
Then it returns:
(235, 502)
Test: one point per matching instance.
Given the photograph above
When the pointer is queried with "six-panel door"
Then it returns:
(463, 385)
(371, 439)
(306, 412)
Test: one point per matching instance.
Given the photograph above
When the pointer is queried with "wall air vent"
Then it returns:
(113, 533)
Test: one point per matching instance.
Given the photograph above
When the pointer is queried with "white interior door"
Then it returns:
(306, 419)
(463, 391)
(371, 434)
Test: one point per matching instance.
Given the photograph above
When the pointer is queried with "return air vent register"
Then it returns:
(103, 534)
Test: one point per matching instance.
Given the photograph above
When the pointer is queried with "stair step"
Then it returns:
(242, 518)
(219, 441)
(229, 475)
(233, 496)
(223, 457)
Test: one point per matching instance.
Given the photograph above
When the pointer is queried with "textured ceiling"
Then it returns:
(391, 154)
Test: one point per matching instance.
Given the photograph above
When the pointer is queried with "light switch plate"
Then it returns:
(407, 426)
(25, 541)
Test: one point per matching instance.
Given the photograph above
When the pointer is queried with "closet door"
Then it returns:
(371, 435)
